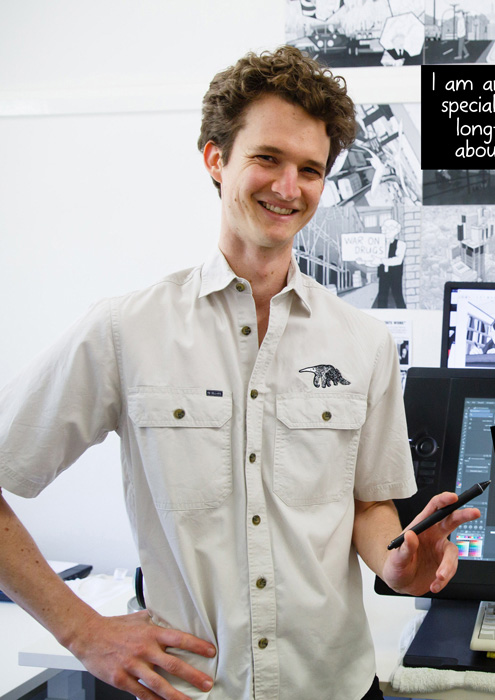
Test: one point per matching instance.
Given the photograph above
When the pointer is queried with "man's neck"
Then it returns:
(265, 269)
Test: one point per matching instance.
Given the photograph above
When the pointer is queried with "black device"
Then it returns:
(449, 415)
(467, 325)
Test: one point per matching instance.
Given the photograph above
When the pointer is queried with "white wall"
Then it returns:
(102, 190)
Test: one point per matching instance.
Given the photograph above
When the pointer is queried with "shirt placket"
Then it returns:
(260, 560)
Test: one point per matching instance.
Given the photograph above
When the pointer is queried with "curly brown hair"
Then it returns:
(289, 74)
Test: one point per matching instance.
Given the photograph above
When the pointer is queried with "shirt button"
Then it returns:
(252, 457)
(245, 330)
(254, 393)
(261, 582)
(179, 413)
(263, 643)
(240, 287)
(326, 415)
(256, 519)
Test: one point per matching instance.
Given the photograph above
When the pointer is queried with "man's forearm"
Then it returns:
(375, 525)
(124, 651)
(27, 578)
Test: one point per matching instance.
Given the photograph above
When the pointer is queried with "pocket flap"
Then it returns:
(166, 407)
(347, 412)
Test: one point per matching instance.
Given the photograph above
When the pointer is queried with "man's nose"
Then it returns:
(286, 183)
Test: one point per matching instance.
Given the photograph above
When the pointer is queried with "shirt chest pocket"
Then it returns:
(316, 446)
(183, 439)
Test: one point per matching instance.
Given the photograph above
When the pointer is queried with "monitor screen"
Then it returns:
(449, 414)
(468, 328)
(476, 540)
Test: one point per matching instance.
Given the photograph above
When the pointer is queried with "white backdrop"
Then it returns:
(102, 190)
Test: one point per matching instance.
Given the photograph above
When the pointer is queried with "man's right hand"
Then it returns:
(126, 651)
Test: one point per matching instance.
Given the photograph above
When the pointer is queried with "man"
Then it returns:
(462, 51)
(391, 268)
(262, 434)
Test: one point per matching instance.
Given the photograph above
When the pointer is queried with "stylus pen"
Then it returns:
(442, 513)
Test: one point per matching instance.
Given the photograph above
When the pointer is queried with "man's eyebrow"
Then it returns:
(278, 152)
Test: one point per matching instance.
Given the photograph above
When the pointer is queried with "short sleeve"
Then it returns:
(384, 465)
(66, 400)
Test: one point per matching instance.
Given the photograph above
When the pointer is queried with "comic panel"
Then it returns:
(342, 33)
(459, 32)
(457, 244)
(458, 187)
(364, 240)
(384, 164)
(369, 256)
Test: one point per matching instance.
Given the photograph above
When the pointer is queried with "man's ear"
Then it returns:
(212, 157)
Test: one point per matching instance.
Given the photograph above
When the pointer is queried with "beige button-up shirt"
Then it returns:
(241, 464)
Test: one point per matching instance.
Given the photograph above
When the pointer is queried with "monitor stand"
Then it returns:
(443, 639)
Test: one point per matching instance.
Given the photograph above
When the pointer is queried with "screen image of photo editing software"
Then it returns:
(476, 540)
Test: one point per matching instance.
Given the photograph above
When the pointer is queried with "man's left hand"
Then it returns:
(428, 561)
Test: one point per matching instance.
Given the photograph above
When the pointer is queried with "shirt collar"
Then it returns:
(217, 275)
(295, 281)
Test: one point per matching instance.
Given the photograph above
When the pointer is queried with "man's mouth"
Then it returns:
(277, 210)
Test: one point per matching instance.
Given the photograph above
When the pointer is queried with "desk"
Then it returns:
(388, 617)
(30, 656)
(17, 629)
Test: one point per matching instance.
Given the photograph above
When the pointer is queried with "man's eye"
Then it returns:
(312, 171)
(268, 159)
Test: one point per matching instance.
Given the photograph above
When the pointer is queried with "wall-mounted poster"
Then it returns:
(363, 242)
(369, 256)
(457, 244)
(401, 332)
(358, 32)
(383, 165)
(460, 32)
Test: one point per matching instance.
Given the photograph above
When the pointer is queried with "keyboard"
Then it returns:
(483, 638)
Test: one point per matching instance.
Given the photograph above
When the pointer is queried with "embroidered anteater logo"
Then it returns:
(325, 375)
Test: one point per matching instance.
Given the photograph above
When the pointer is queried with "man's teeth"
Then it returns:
(277, 210)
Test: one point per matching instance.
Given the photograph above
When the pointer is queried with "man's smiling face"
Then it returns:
(274, 178)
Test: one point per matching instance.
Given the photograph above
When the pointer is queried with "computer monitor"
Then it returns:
(449, 414)
(468, 330)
